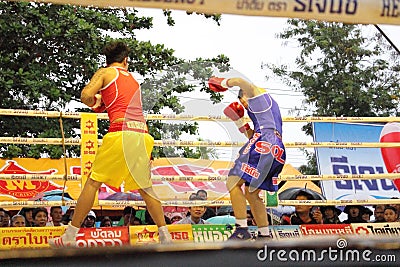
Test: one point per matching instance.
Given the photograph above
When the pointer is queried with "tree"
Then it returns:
(340, 71)
(49, 52)
(311, 167)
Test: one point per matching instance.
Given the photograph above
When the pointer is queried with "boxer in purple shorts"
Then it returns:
(260, 159)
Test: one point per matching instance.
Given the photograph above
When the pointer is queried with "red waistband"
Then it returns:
(135, 126)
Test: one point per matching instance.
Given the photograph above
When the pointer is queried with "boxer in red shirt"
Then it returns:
(125, 153)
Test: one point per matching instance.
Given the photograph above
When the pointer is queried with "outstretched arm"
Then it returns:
(220, 85)
(248, 88)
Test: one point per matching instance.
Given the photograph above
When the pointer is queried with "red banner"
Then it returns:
(326, 229)
(102, 237)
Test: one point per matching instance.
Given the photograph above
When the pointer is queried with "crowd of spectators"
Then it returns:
(307, 214)
(200, 214)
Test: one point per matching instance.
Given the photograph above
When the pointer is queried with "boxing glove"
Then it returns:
(98, 105)
(235, 112)
(100, 109)
(218, 84)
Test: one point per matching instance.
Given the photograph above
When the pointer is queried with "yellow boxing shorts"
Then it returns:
(124, 156)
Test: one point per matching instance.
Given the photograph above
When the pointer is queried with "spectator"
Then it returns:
(331, 214)
(175, 217)
(192, 196)
(353, 214)
(202, 195)
(40, 217)
(137, 221)
(67, 217)
(250, 219)
(149, 220)
(2, 216)
(304, 214)
(396, 206)
(18, 221)
(366, 214)
(129, 214)
(195, 215)
(27, 213)
(90, 220)
(106, 222)
(5, 221)
(285, 219)
(390, 214)
(56, 216)
(379, 210)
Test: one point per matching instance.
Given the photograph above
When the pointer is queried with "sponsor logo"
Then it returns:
(253, 172)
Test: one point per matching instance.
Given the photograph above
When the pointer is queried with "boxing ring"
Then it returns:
(200, 178)
(224, 254)
(230, 253)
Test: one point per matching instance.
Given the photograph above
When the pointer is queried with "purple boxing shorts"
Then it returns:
(259, 160)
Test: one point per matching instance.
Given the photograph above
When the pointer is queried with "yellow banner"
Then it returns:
(148, 234)
(348, 11)
(21, 191)
(88, 144)
(28, 237)
(35, 190)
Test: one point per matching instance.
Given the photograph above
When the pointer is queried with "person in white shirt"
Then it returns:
(196, 212)
(56, 216)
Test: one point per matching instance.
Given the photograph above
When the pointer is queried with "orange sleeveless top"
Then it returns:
(122, 97)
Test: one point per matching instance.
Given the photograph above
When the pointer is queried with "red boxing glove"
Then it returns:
(100, 109)
(98, 105)
(235, 112)
(97, 101)
(218, 84)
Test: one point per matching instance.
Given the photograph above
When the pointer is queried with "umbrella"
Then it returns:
(124, 196)
(223, 219)
(291, 193)
(224, 210)
(54, 195)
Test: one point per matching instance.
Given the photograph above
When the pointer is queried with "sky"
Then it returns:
(249, 42)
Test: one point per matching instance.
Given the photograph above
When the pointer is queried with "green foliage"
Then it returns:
(311, 167)
(341, 72)
(49, 52)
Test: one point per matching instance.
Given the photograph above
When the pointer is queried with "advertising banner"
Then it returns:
(19, 188)
(103, 237)
(381, 229)
(211, 233)
(349, 11)
(283, 232)
(148, 234)
(28, 237)
(89, 145)
(326, 229)
(351, 160)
